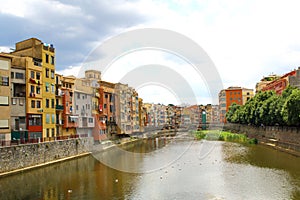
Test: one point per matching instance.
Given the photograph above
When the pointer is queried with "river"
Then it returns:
(175, 168)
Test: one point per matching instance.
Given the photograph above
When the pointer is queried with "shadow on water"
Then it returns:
(82, 178)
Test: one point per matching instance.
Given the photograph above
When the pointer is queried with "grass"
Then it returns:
(223, 136)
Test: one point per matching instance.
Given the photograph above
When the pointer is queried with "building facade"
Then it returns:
(5, 98)
(40, 87)
(69, 117)
(107, 108)
(18, 98)
(278, 85)
(232, 95)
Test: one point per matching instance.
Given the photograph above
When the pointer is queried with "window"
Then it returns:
(52, 60)
(47, 132)
(32, 89)
(47, 72)
(32, 103)
(14, 101)
(76, 107)
(47, 103)
(38, 76)
(106, 96)
(53, 118)
(32, 74)
(38, 104)
(52, 74)
(21, 102)
(91, 120)
(111, 98)
(12, 74)
(38, 89)
(52, 89)
(35, 120)
(53, 133)
(4, 64)
(4, 80)
(52, 103)
(47, 118)
(104, 106)
(78, 96)
(4, 124)
(19, 75)
(47, 58)
(47, 87)
(4, 101)
(22, 120)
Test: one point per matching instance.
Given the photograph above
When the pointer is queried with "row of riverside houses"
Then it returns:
(37, 104)
(241, 95)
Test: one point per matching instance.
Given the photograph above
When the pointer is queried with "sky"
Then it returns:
(245, 40)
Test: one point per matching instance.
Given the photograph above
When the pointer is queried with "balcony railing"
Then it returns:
(59, 107)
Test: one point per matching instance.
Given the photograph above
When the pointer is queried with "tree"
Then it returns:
(291, 109)
(232, 109)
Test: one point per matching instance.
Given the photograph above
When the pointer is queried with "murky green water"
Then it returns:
(176, 169)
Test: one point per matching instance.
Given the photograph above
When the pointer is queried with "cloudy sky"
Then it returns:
(245, 40)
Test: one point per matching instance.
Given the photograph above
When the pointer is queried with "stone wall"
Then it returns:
(283, 136)
(29, 155)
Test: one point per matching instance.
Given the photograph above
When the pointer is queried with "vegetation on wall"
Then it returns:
(223, 136)
(268, 108)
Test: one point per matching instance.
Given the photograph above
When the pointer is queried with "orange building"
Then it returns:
(232, 95)
(107, 114)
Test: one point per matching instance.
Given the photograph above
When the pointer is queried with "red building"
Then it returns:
(107, 115)
(280, 84)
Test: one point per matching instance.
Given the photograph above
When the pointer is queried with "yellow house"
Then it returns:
(41, 87)
(48, 60)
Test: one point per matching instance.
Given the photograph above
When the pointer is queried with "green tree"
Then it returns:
(232, 109)
(291, 108)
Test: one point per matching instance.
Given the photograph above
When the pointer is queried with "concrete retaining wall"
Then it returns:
(285, 137)
(30, 155)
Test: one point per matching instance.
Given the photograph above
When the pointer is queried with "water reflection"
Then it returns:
(280, 163)
(230, 171)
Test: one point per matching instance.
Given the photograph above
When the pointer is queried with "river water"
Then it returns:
(162, 168)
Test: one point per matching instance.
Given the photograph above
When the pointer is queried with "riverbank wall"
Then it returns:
(15, 159)
(280, 137)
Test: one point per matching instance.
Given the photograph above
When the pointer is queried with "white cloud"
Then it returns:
(71, 70)
(245, 39)
(5, 49)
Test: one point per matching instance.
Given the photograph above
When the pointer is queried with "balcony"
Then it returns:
(59, 107)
